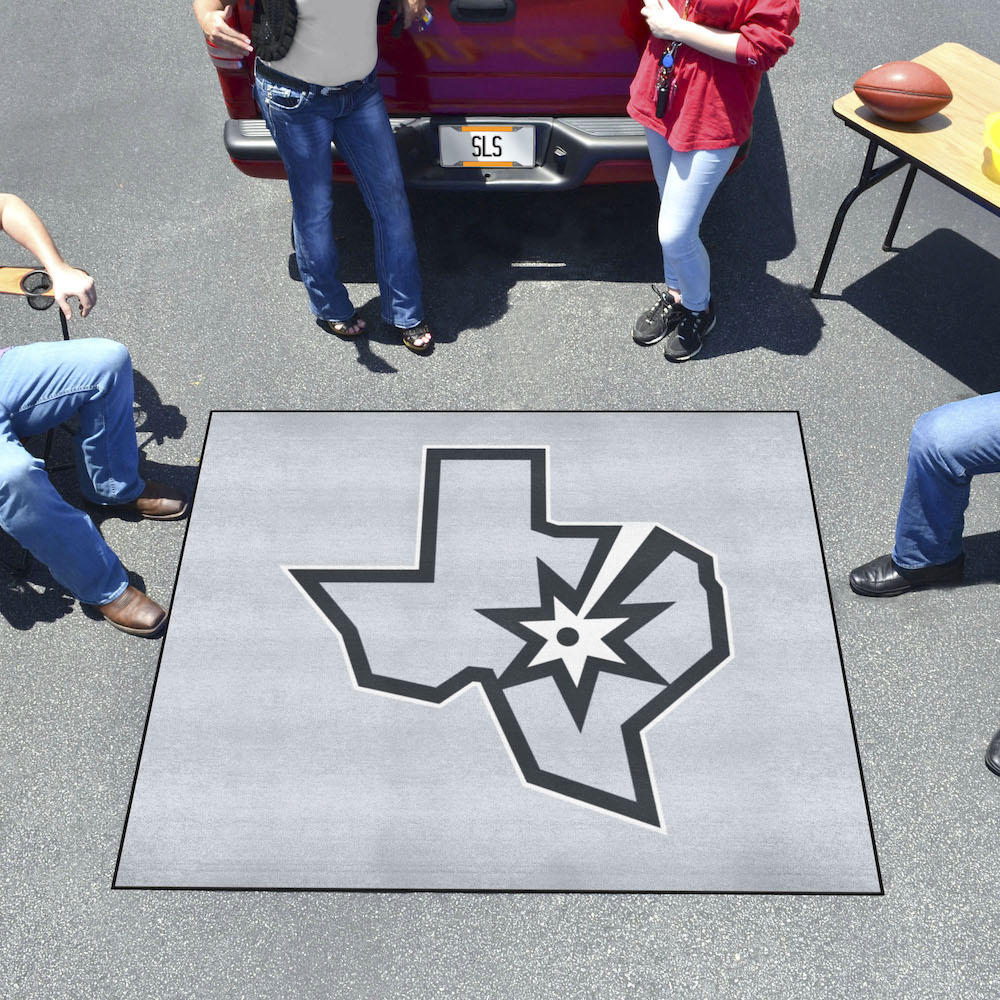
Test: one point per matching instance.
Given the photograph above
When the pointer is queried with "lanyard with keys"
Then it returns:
(666, 71)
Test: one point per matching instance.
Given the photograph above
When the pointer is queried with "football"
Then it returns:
(903, 91)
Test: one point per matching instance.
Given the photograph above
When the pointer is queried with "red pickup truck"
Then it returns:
(518, 94)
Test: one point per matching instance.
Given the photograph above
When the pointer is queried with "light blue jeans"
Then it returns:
(303, 122)
(41, 386)
(687, 182)
(948, 447)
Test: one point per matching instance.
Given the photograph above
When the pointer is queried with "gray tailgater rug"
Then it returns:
(526, 651)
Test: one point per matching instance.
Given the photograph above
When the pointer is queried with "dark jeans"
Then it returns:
(304, 121)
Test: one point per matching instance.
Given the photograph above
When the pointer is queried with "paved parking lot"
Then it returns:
(111, 129)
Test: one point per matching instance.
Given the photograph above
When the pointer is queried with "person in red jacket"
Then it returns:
(694, 92)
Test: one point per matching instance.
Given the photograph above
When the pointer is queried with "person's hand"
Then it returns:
(410, 10)
(72, 283)
(222, 35)
(664, 22)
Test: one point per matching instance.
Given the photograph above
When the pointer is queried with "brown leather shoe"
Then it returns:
(135, 613)
(158, 502)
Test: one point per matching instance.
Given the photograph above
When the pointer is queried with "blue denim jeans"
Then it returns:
(42, 385)
(687, 182)
(304, 121)
(948, 447)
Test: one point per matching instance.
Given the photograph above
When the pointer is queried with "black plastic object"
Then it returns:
(483, 11)
(34, 284)
(274, 24)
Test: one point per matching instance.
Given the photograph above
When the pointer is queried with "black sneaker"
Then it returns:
(687, 339)
(654, 324)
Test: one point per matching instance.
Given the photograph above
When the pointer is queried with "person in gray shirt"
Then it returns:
(315, 83)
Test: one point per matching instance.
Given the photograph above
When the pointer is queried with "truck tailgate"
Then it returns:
(552, 57)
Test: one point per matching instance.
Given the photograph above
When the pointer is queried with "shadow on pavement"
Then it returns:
(23, 605)
(474, 247)
(982, 558)
(153, 417)
(749, 224)
(942, 297)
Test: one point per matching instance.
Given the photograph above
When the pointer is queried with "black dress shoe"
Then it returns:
(883, 578)
(993, 753)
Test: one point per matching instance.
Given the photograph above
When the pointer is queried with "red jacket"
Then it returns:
(711, 101)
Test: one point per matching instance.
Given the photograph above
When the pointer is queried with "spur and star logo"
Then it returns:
(580, 636)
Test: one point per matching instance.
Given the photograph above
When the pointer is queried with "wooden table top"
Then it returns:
(949, 143)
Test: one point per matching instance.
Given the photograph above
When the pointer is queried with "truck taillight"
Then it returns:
(221, 60)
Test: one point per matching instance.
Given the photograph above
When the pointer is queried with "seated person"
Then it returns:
(948, 447)
(41, 386)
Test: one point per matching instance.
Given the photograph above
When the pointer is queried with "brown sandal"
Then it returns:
(412, 334)
(342, 327)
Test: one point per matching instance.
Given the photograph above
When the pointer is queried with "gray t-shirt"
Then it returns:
(334, 42)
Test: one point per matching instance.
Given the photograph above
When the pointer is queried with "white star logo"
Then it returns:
(574, 647)
(572, 638)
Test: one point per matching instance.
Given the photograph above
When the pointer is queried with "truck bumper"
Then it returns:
(568, 152)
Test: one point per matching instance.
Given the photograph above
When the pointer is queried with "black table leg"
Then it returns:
(50, 436)
(870, 176)
(900, 205)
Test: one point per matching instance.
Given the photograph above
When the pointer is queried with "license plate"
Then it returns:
(487, 145)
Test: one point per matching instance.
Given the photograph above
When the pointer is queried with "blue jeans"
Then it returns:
(304, 121)
(687, 182)
(948, 447)
(42, 385)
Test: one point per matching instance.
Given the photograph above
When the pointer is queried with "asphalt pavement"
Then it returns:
(112, 130)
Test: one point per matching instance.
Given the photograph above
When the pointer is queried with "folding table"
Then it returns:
(948, 145)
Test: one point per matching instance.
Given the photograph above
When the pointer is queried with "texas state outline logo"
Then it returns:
(580, 636)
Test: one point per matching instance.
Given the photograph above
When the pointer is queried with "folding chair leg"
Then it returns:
(22, 564)
(47, 450)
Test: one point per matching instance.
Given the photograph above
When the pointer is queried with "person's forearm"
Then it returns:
(711, 41)
(21, 224)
